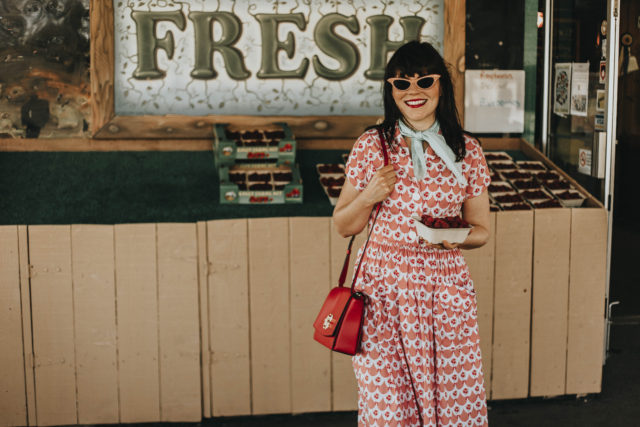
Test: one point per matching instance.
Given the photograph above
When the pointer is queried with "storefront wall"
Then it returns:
(179, 321)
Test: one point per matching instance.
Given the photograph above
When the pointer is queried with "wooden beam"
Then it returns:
(195, 127)
(102, 55)
(86, 144)
(454, 48)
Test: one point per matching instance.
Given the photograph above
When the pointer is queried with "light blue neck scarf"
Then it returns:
(439, 146)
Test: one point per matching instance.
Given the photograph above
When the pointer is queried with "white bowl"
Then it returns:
(437, 235)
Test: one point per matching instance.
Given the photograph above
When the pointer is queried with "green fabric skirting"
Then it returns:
(131, 187)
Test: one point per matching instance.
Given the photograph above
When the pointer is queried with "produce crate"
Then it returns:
(274, 143)
(260, 184)
(331, 177)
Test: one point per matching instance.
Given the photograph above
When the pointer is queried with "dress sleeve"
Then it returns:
(365, 158)
(476, 169)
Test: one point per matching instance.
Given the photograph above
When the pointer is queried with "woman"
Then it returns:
(419, 362)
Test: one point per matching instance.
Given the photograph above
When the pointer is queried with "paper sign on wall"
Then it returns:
(579, 88)
(602, 75)
(562, 89)
(494, 101)
(584, 161)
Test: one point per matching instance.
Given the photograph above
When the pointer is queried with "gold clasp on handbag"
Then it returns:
(327, 321)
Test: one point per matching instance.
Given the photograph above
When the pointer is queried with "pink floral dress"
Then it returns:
(420, 360)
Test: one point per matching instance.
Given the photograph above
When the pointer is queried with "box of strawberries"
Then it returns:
(453, 229)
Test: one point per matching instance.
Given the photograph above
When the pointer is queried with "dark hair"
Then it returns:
(421, 58)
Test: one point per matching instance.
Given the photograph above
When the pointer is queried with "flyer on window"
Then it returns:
(579, 88)
(601, 100)
(561, 91)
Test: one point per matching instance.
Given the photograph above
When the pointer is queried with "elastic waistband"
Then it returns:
(418, 247)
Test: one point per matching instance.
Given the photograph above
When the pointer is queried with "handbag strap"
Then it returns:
(345, 267)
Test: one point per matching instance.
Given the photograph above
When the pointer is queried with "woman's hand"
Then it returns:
(352, 211)
(476, 212)
(443, 245)
(380, 186)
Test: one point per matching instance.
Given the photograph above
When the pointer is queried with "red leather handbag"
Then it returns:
(339, 323)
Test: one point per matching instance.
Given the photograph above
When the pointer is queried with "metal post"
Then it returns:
(548, 95)
(613, 36)
(529, 61)
(611, 87)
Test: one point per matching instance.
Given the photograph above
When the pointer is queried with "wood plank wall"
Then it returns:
(173, 322)
(13, 407)
(99, 331)
(551, 245)
(481, 262)
(343, 382)
(229, 342)
(512, 304)
(94, 308)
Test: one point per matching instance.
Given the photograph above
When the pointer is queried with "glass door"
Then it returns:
(576, 134)
(581, 83)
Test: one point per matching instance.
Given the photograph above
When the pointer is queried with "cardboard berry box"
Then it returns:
(331, 177)
(273, 144)
(438, 233)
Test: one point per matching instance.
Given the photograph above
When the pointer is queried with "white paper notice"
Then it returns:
(584, 161)
(579, 88)
(562, 89)
(494, 101)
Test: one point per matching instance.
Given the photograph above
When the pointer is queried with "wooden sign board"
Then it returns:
(171, 72)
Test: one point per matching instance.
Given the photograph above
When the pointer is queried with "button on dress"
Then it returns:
(420, 362)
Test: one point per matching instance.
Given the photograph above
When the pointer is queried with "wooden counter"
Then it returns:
(179, 321)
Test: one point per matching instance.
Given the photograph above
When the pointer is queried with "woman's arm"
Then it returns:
(352, 211)
(476, 212)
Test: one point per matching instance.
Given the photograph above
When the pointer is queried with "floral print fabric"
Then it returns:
(420, 362)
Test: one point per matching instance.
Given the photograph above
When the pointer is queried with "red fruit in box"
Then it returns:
(568, 195)
(441, 223)
(448, 222)
(428, 220)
